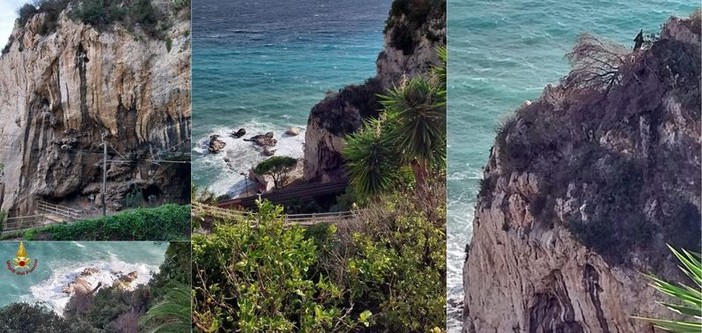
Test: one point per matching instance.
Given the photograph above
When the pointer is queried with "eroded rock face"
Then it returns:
(59, 93)
(581, 193)
(410, 49)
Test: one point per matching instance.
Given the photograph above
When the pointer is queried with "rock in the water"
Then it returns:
(241, 132)
(216, 145)
(129, 277)
(263, 140)
(293, 131)
(268, 152)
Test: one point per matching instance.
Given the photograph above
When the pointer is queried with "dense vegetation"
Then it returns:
(410, 19)
(165, 223)
(410, 133)
(103, 13)
(383, 271)
(138, 16)
(596, 140)
(112, 310)
(333, 111)
(23, 317)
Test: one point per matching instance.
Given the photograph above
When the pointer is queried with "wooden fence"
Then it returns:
(22, 222)
(305, 220)
(58, 210)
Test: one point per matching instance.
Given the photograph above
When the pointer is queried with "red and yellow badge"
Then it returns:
(22, 264)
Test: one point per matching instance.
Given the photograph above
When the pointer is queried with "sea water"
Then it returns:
(262, 65)
(502, 53)
(59, 263)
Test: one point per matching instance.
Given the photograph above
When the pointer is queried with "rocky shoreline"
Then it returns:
(265, 145)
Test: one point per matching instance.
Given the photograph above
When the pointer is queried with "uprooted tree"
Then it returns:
(596, 64)
(277, 167)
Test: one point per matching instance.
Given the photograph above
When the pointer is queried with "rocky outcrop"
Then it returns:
(61, 90)
(264, 140)
(412, 34)
(216, 145)
(293, 131)
(241, 132)
(583, 189)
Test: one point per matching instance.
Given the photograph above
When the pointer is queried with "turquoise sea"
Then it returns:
(502, 53)
(58, 263)
(262, 65)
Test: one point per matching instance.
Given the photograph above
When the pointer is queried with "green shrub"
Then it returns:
(180, 4)
(144, 13)
(111, 309)
(164, 223)
(103, 13)
(176, 268)
(25, 13)
(387, 267)
(407, 17)
(169, 44)
(52, 9)
(256, 275)
(394, 263)
(277, 167)
(24, 317)
(134, 198)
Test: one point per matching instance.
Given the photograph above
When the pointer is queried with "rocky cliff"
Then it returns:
(413, 31)
(583, 189)
(62, 89)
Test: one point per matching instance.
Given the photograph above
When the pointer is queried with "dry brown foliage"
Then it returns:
(596, 64)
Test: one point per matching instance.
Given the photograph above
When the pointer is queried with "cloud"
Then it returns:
(8, 14)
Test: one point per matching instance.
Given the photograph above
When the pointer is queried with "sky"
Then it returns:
(8, 14)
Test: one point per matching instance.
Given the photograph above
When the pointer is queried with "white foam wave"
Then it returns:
(50, 291)
(240, 156)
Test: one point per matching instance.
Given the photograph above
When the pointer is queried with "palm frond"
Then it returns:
(369, 158)
(689, 297)
(172, 312)
(439, 71)
(420, 131)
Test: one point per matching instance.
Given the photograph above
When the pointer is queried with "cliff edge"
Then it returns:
(583, 189)
(413, 31)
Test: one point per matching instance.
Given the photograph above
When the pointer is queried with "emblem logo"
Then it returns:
(22, 264)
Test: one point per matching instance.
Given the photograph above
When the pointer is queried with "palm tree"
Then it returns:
(370, 159)
(411, 131)
(172, 313)
(690, 298)
(439, 71)
(418, 107)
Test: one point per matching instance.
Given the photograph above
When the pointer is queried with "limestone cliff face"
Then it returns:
(583, 189)
(413, 32)
(59, 92)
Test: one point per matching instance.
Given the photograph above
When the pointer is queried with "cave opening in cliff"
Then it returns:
(151, 193)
